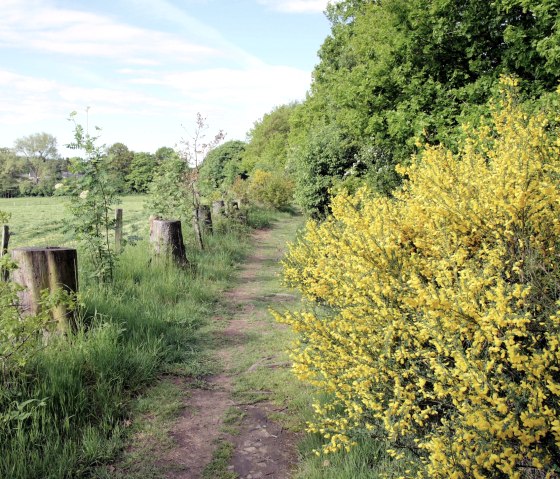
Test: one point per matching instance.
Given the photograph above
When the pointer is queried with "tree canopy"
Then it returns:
(395, 71)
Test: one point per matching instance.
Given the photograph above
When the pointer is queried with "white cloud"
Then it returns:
(296, 6)
(141, 84)
(231, 98)
(45, 28)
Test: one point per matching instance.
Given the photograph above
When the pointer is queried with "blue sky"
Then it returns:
(146, 67)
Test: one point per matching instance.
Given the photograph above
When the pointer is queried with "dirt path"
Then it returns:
(227, 428)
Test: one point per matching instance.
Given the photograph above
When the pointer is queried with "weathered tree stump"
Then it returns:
(218, 207)
(205, 218)
(49, 269)
(167, 240)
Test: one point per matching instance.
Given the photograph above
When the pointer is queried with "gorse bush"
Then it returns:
(438, 323)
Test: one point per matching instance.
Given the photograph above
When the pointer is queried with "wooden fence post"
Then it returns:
(218, 208)
(205, 217)
(4, 274)
(118, 229)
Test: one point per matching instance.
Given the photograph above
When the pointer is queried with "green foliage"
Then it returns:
(33, 167)
(119, 165)
(398, 70)
(268, 141)
(221, 167)
(271, 189)
(141, 172)
(4, 217)
(18, 335)
(94, 197)
(168, 193)
(324, 157)
(10, 168)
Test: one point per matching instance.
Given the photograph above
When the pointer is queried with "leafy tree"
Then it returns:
(95, 195)
(271, 189)
(193, 151)
(119, 159)
(398, 70)
(37, 150)
(221, 166)
(175, 190)
(268, 140)
(324, 157)
(164, 153)
(10, 168)
(168, 194)
(141, 172)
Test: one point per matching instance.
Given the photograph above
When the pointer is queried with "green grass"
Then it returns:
(153, 320)
(218, 466)
(40, 221)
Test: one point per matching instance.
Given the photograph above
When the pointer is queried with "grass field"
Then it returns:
(40, 221)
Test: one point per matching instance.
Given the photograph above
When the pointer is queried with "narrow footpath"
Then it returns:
(235, 424)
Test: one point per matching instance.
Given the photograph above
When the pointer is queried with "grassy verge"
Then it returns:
(152, 321)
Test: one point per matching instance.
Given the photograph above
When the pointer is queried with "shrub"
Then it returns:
(439, 318)
(271, 189)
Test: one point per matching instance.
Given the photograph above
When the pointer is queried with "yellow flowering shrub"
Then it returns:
(437, 318)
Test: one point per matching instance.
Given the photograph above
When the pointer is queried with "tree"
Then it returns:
(141, 172)
(193, 151)
(398, 70)
(36, 149)
(10, 168)
(164, 153)
(119, 159)
(268, 140)
(95, 196)
(175, 190)
(221, 166)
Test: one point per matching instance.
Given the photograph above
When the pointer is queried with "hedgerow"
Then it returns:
(437, 318)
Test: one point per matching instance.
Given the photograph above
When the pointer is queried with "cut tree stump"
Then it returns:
(167, 240)
(218, 207)
(46, 269)
(205, 218)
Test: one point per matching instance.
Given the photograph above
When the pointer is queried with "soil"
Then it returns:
(263, 449)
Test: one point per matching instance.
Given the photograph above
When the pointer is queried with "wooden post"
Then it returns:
(4, 274)
(218, 208)
(167, 240)
(118, 229)
(49, 269)
(205, 218)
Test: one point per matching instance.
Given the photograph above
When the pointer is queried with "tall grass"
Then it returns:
(148, 322)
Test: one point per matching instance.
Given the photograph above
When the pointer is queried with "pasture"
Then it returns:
(40, 221)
